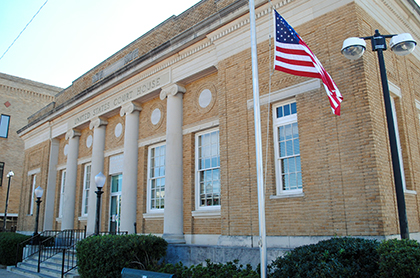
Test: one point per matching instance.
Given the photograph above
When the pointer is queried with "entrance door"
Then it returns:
(115, 208)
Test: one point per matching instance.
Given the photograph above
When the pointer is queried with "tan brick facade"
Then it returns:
(19, 99)
(346, 164)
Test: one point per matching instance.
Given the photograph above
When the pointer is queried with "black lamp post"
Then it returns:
(9, 176)
(99, 181)
(402, 44)
(38, 194)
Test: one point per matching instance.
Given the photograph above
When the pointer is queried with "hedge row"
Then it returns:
(350, 257)
(106, 256)
(8, 245)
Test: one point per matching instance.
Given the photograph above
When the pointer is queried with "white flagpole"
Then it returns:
(258, 147)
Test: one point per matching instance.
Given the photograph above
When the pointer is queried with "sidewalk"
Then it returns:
(6, 274)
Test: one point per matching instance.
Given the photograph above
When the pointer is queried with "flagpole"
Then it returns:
(258, 148)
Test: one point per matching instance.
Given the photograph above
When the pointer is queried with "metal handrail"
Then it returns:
(52, 242)
(53, 245)
(70, 262)
(33, 242)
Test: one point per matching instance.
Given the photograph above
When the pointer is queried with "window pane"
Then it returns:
(288, 132)
(281, 133)
(289, 148)
(296, 146)
(295, 130)
(286, 110)
(279, 112)
(298, 163)
(293, 107)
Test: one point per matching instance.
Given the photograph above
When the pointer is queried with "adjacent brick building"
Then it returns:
(169, 121)
(19, 99)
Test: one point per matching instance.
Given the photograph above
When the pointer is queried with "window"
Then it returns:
(62, 188)
(1, 172)
(115, 208)
(397, 137)
(287, 149)
(86, 187)
(156, 177)
(32, 195)
(207, 170)
(4, 125)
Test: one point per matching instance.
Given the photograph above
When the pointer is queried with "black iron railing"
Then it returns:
(31, 245)
(50, 243)
(51, 246)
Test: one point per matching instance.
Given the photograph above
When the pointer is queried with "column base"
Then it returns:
(174, 238)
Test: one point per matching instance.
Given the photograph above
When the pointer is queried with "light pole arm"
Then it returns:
(402, 214)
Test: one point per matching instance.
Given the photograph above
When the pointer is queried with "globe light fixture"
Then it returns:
(402, 44)
(100, 182)
(353, 48)
(38, 194)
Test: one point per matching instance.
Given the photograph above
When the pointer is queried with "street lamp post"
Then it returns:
(99, 181)
(402, 44)
(9, 176)
(38, 194)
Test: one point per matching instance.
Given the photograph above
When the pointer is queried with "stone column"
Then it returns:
(51, 185)
(129, 180)
(67, 222)
(99, 126)
(173, 222)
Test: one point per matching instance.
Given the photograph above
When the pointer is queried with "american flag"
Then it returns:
(293, 56)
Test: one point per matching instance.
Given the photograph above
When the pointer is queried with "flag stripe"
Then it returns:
(293, 56)
(295, 72)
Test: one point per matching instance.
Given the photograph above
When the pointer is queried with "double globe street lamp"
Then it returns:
(401, 44)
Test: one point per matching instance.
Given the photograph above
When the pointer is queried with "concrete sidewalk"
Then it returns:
(6, 274)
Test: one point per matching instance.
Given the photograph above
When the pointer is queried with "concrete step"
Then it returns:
(49, 268)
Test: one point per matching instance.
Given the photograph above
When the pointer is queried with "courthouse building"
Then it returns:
(19, 99)
(169, 121)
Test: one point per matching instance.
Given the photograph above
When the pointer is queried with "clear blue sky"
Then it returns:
(69, 37)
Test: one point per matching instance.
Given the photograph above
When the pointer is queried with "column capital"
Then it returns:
(97, 122)
(172, 89)
(72, 133)
(129, 108)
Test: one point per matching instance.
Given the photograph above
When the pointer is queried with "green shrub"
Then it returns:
(399, 258)
(336, 257)
(209, 270)
(106, 256)
(8, 245)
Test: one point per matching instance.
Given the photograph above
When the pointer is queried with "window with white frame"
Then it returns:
(4, 125)
(86, 187)
(32, 195)
(62, 188)
(156, 177)
(398, 141)
(287, 148)
(207, 169)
